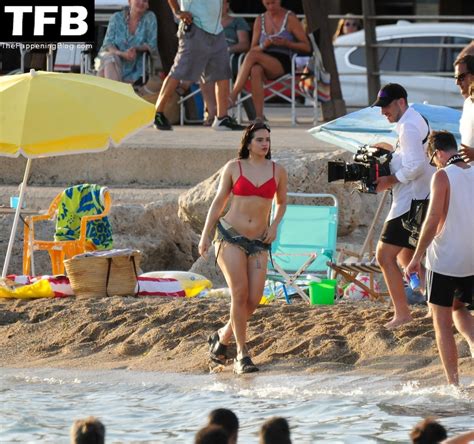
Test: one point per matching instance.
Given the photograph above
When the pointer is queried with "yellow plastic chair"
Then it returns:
(59, 250)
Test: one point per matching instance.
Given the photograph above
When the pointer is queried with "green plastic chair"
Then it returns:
(306, 241)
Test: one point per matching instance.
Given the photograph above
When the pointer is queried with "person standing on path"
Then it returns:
(202, 51)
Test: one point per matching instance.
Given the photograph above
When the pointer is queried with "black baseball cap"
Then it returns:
(389, 93)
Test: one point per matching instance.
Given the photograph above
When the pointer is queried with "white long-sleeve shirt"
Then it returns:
(466, 124)
(410, 163)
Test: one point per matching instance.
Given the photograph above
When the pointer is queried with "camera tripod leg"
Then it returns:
(370, 234)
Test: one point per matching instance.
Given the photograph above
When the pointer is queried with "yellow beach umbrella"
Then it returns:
(46, 114)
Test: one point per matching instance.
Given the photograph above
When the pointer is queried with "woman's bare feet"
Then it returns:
(397, 322)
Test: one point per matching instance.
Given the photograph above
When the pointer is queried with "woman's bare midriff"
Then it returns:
(249, 215)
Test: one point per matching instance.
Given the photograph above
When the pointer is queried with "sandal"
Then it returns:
(217, 351)
(244, 365)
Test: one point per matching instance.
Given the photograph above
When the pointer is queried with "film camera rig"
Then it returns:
(370, 163)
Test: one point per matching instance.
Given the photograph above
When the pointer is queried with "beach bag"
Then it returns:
(323, 78)
(104, 273)
(415, 218)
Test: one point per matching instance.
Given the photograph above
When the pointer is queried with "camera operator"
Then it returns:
(409, 179)
(446, 236)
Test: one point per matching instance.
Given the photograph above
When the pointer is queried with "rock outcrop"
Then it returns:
(166, 242)
(307, 173)
(208, 267)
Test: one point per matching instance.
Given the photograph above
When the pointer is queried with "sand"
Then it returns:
(169, 334)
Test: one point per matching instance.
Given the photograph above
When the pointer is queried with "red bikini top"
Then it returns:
(243, 186)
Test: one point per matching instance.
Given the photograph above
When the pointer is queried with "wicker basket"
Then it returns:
(100, 276)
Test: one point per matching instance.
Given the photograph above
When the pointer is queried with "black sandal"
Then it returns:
(244, 365)
(217, 351)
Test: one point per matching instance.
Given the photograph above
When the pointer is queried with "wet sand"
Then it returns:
(170, 335)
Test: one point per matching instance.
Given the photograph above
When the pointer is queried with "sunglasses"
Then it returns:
(461, 77)
(432, 158)
(353, 24)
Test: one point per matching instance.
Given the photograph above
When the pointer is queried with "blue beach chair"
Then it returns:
(306, 241)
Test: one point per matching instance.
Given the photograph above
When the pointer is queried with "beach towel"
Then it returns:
(149, 286)
(34, 287)
(76, 202)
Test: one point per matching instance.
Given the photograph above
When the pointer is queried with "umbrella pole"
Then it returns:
(16, 218)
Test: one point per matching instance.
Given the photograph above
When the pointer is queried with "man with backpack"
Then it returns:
(409, 179)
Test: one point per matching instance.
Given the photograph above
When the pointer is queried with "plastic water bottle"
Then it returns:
(414, 281)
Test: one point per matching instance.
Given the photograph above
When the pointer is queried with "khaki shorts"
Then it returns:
(201, 54)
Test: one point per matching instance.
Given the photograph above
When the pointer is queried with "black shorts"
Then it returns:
(284, 59)
(393, 233)
(441, 289)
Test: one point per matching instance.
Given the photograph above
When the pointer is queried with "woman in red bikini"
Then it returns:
(243, 236)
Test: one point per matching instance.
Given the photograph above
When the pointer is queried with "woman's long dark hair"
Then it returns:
(247, 138)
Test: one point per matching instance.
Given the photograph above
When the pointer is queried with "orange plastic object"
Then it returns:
(58, 250)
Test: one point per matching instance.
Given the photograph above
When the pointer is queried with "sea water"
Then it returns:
(39, 405)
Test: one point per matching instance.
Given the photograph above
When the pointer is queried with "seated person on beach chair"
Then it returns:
(81, 225)
(277, 34)
(131, 33)
(306, 240)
